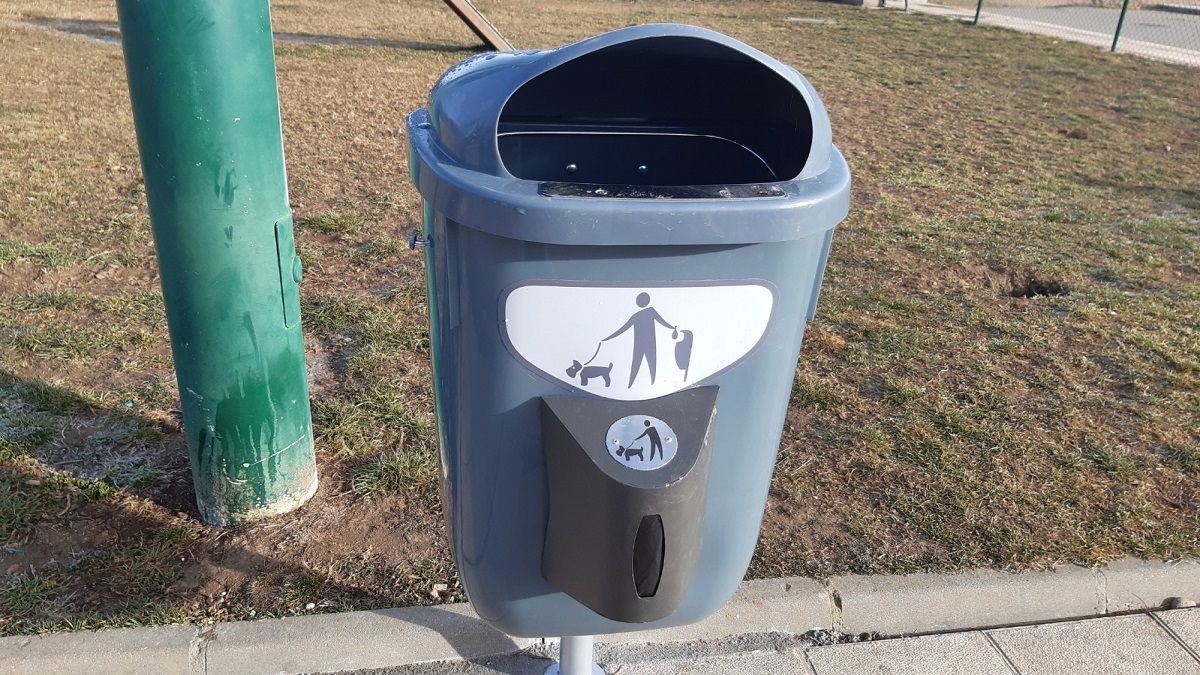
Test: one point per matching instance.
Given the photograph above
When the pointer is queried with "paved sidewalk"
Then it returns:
(1158, 643)
(1064, 30)
(1168, 29)
(1163, 643)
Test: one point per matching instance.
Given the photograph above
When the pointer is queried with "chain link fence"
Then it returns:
(1165, 30)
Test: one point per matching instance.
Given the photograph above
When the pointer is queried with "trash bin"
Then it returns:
(624, 239)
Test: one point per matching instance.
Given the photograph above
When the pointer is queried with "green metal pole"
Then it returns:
(206, 109)
(1120, 25)
(978, 9)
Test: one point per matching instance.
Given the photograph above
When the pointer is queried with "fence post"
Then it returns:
(1120, 24)
(206, 111)
(978, 9)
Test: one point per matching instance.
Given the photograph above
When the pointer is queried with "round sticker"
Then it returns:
(642, 442)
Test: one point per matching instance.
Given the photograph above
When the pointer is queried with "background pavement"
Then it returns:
(1173, 37)
(1170, 29)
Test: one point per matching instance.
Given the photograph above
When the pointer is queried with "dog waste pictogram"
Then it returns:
(635, 342)
(642, 442)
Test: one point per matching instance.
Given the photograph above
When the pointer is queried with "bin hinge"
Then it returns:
(416, 241)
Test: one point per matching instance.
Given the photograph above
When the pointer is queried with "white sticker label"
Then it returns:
(633, 343)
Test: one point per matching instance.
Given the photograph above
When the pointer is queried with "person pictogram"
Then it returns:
(651, 434)
(644, 324)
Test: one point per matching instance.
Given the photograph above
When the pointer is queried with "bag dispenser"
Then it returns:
(623, 538)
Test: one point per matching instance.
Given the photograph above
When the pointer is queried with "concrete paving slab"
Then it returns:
(764, 663)
(951, 654)
(753, 663)
(1185, 623)
(513, 664)
(1121, 645)
(927, 603)
(163, 650)
(1131, 584)
(766, 654)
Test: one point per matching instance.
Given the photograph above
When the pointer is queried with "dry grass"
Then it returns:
(1004, 370)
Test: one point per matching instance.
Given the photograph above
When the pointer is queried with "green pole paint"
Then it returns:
(206, 109)
(978, 9)
(1120, 25)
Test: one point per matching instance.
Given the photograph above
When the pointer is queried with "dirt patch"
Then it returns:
(1034, 286)
(336, 551)
(390, 531)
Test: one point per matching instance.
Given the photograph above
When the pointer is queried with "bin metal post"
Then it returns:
(978, 10)
(206, 110)
(575, 657)
(1120, 25)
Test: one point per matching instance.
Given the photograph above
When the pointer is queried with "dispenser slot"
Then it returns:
(649, 547)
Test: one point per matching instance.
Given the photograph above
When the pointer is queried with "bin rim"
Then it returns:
(455, 162)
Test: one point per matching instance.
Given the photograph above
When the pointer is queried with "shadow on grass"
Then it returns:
(108, 32)
(80, 552)
(74, 435)
(131, 585)
(1185, 197)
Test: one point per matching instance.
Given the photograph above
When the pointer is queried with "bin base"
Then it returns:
(556, 669)
(575, 657)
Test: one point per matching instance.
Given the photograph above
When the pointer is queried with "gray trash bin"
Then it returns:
(624, 238)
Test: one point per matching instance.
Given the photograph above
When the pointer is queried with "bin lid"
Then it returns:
(771, 111)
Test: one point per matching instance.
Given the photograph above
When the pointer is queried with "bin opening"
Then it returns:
(661, 111)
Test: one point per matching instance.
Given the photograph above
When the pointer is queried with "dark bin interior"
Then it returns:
(664, 111)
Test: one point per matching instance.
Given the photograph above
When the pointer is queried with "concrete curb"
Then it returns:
(886, 605)
(316, 643)
(1178, 9)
